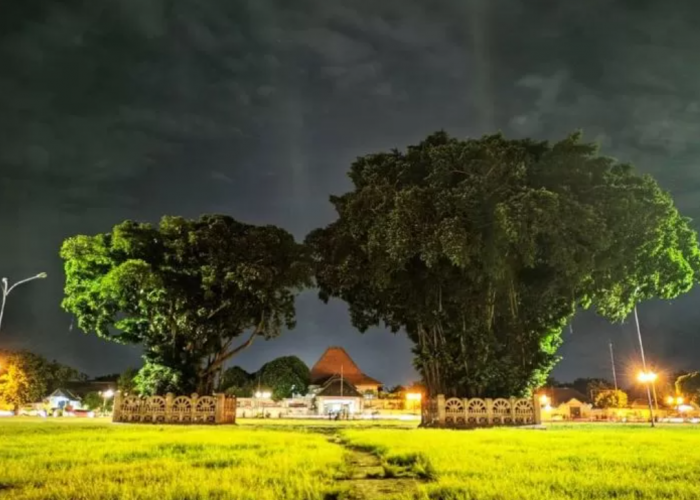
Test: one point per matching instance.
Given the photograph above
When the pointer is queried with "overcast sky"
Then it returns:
(117, 109)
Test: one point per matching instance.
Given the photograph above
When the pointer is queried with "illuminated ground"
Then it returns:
(75, 460)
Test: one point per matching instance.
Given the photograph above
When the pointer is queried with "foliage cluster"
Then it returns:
(186, 290)
(283, 377)
(611, 399)
(26, 377)
(689, 386)
(480, 250)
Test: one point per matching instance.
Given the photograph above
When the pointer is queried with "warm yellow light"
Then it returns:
(646, 377)
(263, 395)
(544, 399)
(414, 396)
(547, 408)
(679, 400)
(670, 400)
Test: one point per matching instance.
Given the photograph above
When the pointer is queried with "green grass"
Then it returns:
(327, 424)
(75, 460)
(563, 462)
(288, 460)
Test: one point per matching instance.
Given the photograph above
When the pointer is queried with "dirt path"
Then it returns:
(368, 477)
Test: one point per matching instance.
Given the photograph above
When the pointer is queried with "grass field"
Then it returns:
(75, 460)
(563, 462)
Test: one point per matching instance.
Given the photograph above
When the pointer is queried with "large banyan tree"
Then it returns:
(192, 293)
(482, 250)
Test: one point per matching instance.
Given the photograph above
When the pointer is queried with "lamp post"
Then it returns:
(649, 379)
(108, 394)
(6, 289)
(414, 399)
(644, 365)
(259, 395)
(675, 402)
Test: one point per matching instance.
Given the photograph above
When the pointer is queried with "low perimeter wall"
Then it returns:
(477, 412)
(172, 409)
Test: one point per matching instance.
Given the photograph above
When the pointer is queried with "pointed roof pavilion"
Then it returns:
(335, 360)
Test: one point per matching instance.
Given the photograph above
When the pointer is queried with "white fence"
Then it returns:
(477, 412)
(171, 409)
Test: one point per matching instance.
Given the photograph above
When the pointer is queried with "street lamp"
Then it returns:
(414, 398)
(676, 402)
(644, 361)
(6, 289)
(262, 395)
(108, 394)
(648, 378)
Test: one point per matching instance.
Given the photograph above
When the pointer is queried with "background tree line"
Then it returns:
(283, 377)
(26, 377)
(480, 250)
(603, 394)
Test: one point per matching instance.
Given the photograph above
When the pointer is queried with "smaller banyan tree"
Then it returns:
(481, 250)
(192, 293)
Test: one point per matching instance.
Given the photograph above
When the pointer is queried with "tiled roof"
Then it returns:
(335, 360)
(332, 388)
(561, 395)
(81, 388)
(64, 393)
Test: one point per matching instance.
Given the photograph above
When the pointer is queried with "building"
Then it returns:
(338, 388)
(563, 403)
(336, 362)
(62, 399)
(84, 387)
(338, 396)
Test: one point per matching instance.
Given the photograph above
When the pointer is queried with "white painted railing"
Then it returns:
(171, 409)
(477, 412)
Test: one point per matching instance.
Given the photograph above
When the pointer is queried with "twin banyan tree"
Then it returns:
(480, 250)
(193, 294)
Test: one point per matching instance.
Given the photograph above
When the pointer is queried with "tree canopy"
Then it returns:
(481, 250)
(611, 398)
(284, 377)
(185, 290)
(689, 386)
(237, 382)
(26, 377)
(589, 387)
(125, 381)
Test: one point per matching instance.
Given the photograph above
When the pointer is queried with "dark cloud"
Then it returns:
(256, 108)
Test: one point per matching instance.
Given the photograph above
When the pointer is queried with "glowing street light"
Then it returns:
(644, 363)
(108, 394)
(262, 395)
(676, 402)
(649, 379)
(6, 289)
(413, 399)
(544, 400)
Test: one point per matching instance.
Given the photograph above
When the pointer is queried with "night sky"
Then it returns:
(115, 109)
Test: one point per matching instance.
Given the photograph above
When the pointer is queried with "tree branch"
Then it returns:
(218, 310)
(225, 357)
